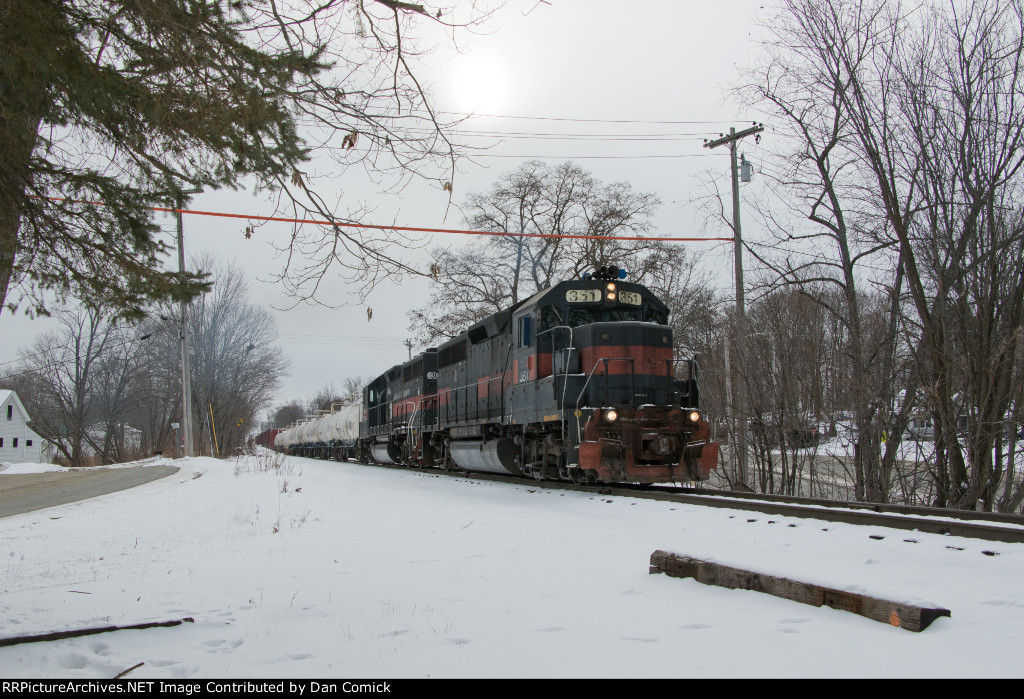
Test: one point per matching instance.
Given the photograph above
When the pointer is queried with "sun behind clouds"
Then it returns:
(479, 83)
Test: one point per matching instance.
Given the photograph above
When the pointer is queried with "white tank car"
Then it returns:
(340, 429)
(282, 439)
(343, 426)
(307, 432)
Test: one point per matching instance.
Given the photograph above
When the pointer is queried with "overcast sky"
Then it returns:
(580, 69)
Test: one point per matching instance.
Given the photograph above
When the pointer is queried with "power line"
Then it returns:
(417, 229)
(682, 135)
(588, 157)
(589, 121)
(404, 229)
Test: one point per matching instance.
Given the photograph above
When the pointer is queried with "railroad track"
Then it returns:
(987, 526)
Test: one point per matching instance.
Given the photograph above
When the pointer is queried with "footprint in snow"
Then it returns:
(695, 626)
(180, 673)
(295, 656)
(459, 641)
(162, 663)
(72, 661)
(794, 621)
(640, 640)
(222, 645)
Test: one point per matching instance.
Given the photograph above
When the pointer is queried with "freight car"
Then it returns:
(331, 436)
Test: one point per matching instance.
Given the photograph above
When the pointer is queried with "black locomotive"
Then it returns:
(577, 382)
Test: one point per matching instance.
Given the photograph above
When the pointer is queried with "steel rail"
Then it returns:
(985, 526)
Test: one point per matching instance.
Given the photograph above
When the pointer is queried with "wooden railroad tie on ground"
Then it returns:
(905, 616)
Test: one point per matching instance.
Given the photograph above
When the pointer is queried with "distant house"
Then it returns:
(18, 443)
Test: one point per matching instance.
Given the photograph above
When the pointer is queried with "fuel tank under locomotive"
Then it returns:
(385, 452)
(492, 456)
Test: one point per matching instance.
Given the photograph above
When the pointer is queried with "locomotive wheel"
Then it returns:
(576, 476)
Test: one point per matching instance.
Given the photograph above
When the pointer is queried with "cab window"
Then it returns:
(550, 317)
(582, 316)
(525, 331)
(652, 314)
(619, 314)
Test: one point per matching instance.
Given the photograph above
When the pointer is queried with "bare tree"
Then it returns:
(548, 224)
(352, 388)
(819, 177)
(116, 389)
(112, 388)
(323, 399)
(289, 413)
(57, 380)
(918, 109)
(236, 365)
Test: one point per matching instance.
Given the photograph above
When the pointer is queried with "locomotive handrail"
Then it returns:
(410, 429)
(465, 387)
(504, 373)
(701, 396)
(568, 349)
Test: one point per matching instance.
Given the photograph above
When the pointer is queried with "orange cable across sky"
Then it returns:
(411, 229)
(418, 229)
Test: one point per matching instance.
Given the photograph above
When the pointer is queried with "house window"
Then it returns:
(1, 441)
(28, 442)
(15, 443)
(10, 412)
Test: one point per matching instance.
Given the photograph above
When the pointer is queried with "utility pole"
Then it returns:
(186, 371)
(519, 255)
(740, 405)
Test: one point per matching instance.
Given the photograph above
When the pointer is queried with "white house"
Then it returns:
(19, 444)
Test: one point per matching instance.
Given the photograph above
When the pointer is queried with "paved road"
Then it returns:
(25, 492)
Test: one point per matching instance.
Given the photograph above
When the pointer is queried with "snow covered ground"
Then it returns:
(321, 569)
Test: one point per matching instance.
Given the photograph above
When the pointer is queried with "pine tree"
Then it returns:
(111, 107)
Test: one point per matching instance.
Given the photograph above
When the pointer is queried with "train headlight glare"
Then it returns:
(695, 416)
(611, 416)
(610, 296)
(610, 286)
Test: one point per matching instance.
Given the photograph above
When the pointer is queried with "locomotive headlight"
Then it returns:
(611, 415)
(695, 416)
(610, 286)
(610, 296)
